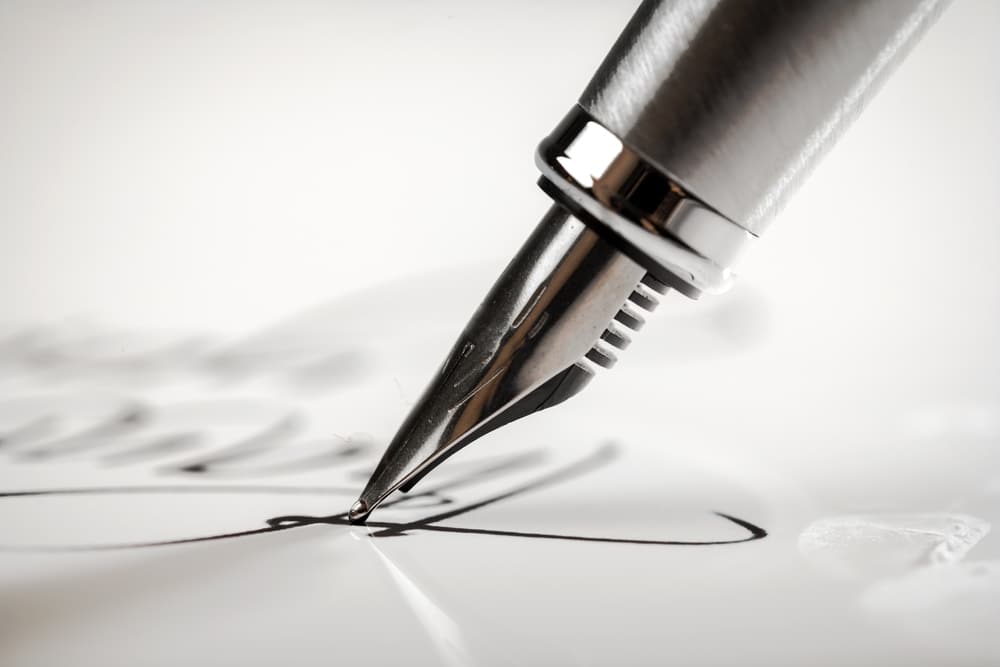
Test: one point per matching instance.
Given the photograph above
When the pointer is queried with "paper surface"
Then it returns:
(172, 501)
(805, 471)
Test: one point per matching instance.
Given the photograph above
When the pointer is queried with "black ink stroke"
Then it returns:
(265, 440)
(434, 497)
(138, 432)
(153, 449)
(127, 420)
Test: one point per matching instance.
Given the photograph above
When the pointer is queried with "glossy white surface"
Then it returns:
(174, 184)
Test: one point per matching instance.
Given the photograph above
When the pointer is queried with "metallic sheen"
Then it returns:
(588, 169)
(736, 100)
(556, 313)
(700, 122)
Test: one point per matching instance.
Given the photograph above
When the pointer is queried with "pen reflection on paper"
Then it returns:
(182, 439)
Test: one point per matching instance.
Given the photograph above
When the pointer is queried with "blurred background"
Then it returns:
(215, 165)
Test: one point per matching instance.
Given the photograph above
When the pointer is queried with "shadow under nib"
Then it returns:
(556, 313)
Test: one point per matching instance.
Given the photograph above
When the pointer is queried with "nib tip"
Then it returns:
(359, 512)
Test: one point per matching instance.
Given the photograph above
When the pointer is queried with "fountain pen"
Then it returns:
(696, 127)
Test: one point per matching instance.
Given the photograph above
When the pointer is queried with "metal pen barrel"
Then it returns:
(730, 104)
(699, 123)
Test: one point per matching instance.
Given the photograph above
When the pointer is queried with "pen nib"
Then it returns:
(554, 315)
(359, 512)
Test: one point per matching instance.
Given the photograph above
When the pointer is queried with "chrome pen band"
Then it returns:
(610, 186)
